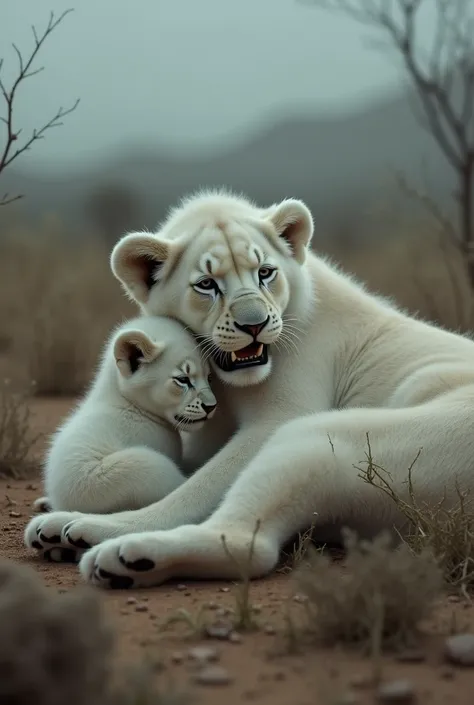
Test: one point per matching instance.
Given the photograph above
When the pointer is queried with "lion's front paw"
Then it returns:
(131, 561)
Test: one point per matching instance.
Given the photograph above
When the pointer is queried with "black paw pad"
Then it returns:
(50, 539)
(37, 545)
(116, 582)
(68, 555)
(140, 566)
(78, 543)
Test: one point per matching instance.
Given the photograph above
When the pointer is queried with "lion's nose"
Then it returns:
(208, 408)
(253, 329)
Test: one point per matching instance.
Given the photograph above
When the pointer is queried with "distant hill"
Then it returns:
(338, 165)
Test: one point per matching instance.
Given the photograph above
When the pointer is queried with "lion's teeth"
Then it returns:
(233, 357)
(259, 351)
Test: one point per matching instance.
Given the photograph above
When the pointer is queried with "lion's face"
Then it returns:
(226, 272)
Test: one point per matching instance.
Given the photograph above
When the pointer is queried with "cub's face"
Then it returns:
(227, 274)
(163, 381)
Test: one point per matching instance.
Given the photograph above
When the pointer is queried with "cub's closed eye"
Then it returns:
(182, 381)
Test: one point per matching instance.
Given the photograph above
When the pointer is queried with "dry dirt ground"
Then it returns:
(259, 666)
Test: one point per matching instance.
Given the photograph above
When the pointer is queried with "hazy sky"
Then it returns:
(183, 73)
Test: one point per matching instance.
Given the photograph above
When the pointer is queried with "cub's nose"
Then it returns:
(253, 329)
(209, 408)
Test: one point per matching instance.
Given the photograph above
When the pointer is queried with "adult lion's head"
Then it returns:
(230, 271)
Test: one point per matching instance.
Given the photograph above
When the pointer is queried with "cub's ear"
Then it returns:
(133, 348)
(293, 223)
(136, 261)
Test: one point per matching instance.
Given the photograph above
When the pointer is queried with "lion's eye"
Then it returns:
(182, 381)
(206, 286)
(267, 274)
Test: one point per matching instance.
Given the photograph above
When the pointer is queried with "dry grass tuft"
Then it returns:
(57, 649)
(244, 613)
(377, 596)
(446, 528)
(56, 314)
(16, 438)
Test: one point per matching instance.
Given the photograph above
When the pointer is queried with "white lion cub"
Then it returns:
(120, 448)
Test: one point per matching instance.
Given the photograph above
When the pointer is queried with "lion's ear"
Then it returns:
(293, 222)
(136, 261)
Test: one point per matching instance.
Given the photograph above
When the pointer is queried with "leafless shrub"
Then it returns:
(376, 597)
(445, 528)
(57, 649)
(16, 436)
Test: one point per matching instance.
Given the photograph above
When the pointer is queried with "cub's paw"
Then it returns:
(131, 561)
(43, 534)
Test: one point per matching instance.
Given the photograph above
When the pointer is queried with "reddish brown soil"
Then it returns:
(260, 667)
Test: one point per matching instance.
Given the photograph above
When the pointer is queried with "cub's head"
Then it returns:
(232, 272)
(161, 372)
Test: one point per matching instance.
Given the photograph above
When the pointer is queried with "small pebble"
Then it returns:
(459, 649)
(219, 631)
(269, 629)
(399, 691)
(235, 638)
(132, 600)
(141, 608)
(181, 587)
(361, 680)
(300, 598)
(224, 589)
(203, 654)
(15, 515)
(213, 675)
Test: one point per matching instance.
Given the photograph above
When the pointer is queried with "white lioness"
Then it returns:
(308, 364)
(121, 447)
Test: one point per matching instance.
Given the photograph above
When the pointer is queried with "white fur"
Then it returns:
(290, 435)
(121, 447)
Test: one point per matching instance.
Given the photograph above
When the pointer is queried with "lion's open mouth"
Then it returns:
(250, 356)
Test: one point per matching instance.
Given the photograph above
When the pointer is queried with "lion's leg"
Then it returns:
(304, 475)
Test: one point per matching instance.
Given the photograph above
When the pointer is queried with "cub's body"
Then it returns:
(121, 447)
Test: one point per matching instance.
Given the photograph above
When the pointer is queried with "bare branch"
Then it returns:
(6, 199)
(447, 72)
(25, 70)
